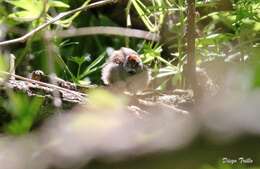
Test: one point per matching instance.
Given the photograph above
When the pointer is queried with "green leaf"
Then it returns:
(78, 60)
(214, 39)
(23, 16)
(58, 4)
(67, 22)
(31, 9)
(96, 61)
(3, 64)
(61, 62)
(29, 5)
(24, 112)
(167, 71)
(141, 12)
(3, 68)
(93, 66)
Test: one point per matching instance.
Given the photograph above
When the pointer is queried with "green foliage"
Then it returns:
(23, 110)
(58, 4)
(67, 22)
(155, 11)
(246, 11)
(153, 57)
(32, 9)
(239, 26)
(221, 34)
(94, 66)
(3, 64)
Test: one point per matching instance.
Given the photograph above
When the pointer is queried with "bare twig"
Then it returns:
(44, 84)
(50, 50)
(105, 30)
(12, 66)
(55, 19)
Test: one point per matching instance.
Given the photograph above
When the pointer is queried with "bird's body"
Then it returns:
(124, 71)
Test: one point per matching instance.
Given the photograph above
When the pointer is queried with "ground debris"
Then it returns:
(178, 101)
(43, 89)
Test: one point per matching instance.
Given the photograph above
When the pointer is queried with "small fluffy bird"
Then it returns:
(124, 70)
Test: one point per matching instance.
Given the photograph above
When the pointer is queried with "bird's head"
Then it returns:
(133, 64)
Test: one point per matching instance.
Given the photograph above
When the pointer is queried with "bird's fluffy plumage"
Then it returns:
(124, 70)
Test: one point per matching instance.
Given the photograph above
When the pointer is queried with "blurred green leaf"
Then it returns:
(32, 9)
(3, 64)
(67, 22)
(100, 99)
(23, 16)
(3, 68)
(58, 4)
(214, 39)
(167, 71)
(78, 60)
(24, 111)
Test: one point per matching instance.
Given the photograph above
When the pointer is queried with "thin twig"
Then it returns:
(44, 84)
(50, 50)
(12, 66)
(105, 30)
(55, 19)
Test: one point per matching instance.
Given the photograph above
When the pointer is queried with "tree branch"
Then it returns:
(55, 19)
(104, 30)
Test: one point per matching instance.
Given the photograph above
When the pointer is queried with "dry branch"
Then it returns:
(44, 84)
(104, 30)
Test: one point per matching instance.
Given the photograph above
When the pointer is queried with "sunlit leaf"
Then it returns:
(58, 4)
(3, 64)
(3, 68)
(32, 9)
(23, 16)
(213, 39)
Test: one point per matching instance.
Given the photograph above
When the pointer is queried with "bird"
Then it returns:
(125, 71)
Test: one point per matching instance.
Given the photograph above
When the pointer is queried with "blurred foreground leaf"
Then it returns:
(31, 9)
(104, 100)
(24, 111)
